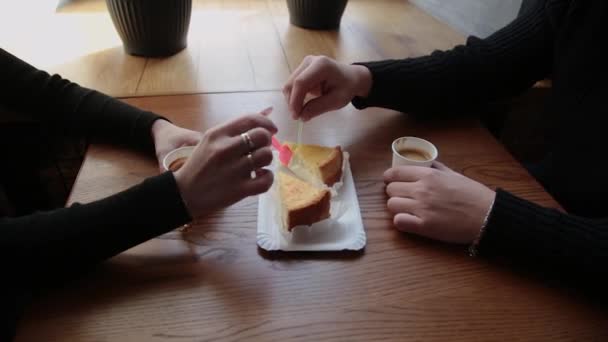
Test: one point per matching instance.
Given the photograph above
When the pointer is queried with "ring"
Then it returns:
(247, 141)
(252, 174)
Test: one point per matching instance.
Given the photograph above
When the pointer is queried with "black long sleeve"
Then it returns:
(500, 66)
(41, 245)
(50, 240)
(48, 246)
(548, 238)
(77, 111)
(558, 37)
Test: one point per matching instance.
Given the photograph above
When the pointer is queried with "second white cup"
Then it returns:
(176, 158)
(414, 152)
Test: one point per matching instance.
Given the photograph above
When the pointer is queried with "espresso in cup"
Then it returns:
(177, 164)
(414, 154)
(175, 159)
(413, 151)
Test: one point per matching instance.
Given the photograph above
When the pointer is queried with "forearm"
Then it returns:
(66, 106)
(484, 70)
(44, 245)
(552, 240)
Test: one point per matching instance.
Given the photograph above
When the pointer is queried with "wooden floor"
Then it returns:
(234, 45)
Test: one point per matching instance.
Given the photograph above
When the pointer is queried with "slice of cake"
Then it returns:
(317, 164)
(303, 204)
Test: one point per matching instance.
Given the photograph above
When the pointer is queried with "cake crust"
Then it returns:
(302, 203)
(308, 215)
(331, 168)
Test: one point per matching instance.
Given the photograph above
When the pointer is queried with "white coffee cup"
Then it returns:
(182, 152)
(413, 151)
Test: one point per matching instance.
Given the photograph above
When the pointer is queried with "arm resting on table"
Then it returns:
(75, 110)
(552, 240)
(50, 244)
(500, 66)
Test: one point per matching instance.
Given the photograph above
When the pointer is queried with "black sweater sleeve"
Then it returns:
(484, 70)
(48, 243)
(546, 238)
(47, 246)
(51, 244)
(77, 111)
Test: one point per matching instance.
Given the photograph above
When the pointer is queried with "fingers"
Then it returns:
(267, 111)
(400, 189)
(262, 157)
(441, 166)
(246, 123)
(191, 141)
(308, 80)
(260, 184)
(303, 65)
(408, 223)
(320, 105)
(406, 174)
(260, 138)
(316, 92)
(287, 89)
(397, 205)
(259, 158)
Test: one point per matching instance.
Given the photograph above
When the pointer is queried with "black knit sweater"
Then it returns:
(563, 39)
(47, 246)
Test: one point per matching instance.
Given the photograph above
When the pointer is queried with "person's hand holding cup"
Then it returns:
(427, 198)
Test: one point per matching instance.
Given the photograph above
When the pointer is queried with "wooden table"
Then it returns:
(233, 45)
(213, 283)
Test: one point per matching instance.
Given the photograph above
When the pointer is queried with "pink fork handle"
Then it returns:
(285, 152)
(276, 144)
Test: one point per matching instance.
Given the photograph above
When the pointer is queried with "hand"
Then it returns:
(332, 84)
(218, 173)
(437, 202)
(167, 137)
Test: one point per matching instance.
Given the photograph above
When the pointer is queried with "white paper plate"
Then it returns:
(342, 231)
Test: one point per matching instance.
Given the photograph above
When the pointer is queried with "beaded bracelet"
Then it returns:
(473, 252)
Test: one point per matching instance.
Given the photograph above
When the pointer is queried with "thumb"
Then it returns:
(320, 105)
(190, 139)
(441, 167)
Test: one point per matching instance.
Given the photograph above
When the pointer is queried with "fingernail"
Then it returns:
(267, 111)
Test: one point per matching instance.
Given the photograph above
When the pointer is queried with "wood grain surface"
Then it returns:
(233, 45)
(212, 283)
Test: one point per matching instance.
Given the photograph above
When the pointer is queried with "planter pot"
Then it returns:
(316, 14)
(151, 28)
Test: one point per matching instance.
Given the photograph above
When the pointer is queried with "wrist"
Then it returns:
(158, 127)
(182, 187)
(473, 248)
(363, 79)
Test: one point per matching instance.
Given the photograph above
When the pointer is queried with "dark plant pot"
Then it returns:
(151, 28)
(316, 14)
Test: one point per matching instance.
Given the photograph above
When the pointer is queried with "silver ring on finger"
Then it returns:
(247, 141)
(251, 165)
